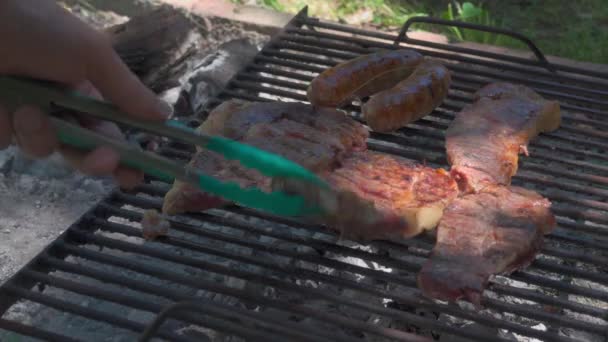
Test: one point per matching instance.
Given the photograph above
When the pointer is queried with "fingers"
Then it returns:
(118, 85)
(128, 178)
(34, 132)
(100, 162)
(6, 128)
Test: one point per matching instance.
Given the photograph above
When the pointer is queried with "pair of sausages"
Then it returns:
(403, 87)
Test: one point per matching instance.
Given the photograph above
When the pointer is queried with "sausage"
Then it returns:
(382, 82)
(342, 83)
(410, 99)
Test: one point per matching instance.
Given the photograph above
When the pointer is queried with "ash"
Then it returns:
(40, 199)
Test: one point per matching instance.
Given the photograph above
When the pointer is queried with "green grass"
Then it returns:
(573, 29)
(576, 29)
(384, 13)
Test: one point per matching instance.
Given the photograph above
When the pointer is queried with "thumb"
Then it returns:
(117, 84)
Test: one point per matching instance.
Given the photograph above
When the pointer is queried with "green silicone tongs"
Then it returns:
(47, 95)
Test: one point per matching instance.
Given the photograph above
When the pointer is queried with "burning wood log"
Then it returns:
(172, 52)
(153, 42)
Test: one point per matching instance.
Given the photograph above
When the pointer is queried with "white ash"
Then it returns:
(520, 338)
(469, 326)
(589, 301)
(204, 75)
(40, 199)
(295, 263)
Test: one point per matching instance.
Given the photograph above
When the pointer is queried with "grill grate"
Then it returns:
(236, 272)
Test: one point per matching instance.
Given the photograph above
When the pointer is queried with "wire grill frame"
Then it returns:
(574, 157)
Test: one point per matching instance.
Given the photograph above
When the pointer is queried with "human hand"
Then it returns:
(40, 39)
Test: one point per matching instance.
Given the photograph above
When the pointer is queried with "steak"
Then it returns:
(372, 195)
(313, 138)
(185, 197)
(376, 196)
(485, 139)
(233, 119)
(493, 232)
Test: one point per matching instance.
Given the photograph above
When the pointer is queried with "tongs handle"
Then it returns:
(45, 94)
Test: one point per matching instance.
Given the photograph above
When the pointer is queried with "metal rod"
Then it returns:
(337, 49)
(390, 37)
(320, 245)
(197, 282)
(434, 132)
(330, 247)
(31, 331)
(300, 272)
(424, 122)
(90, 313)
(113, 243)
(455, 84)
(542, 61)
(199, 307)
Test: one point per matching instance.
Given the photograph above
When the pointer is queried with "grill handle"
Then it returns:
(402, 37)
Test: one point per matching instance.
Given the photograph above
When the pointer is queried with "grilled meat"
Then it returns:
(184, 197)
(315, 139)
(361, 77)
(493, 232)
(484, 140)
(154, 225)
(409, 100)
(376, 196)
(373, 195)
(233, 119)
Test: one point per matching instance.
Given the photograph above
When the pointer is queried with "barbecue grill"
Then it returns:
(235, 274)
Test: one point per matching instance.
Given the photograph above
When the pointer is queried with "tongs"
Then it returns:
(51, 96)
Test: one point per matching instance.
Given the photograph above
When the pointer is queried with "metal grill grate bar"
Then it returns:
(299, 273)
(414, 132)
(549, 250)
(199, 283)
(320, 64)
(271, 57)
(34, 332)
(66, 306)
(250, 276)
(413, 267)
(325, 246)
(213, 310)
(315, 22)
(311, 274)
(338, 50)
(451, 56)
(461, 73)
